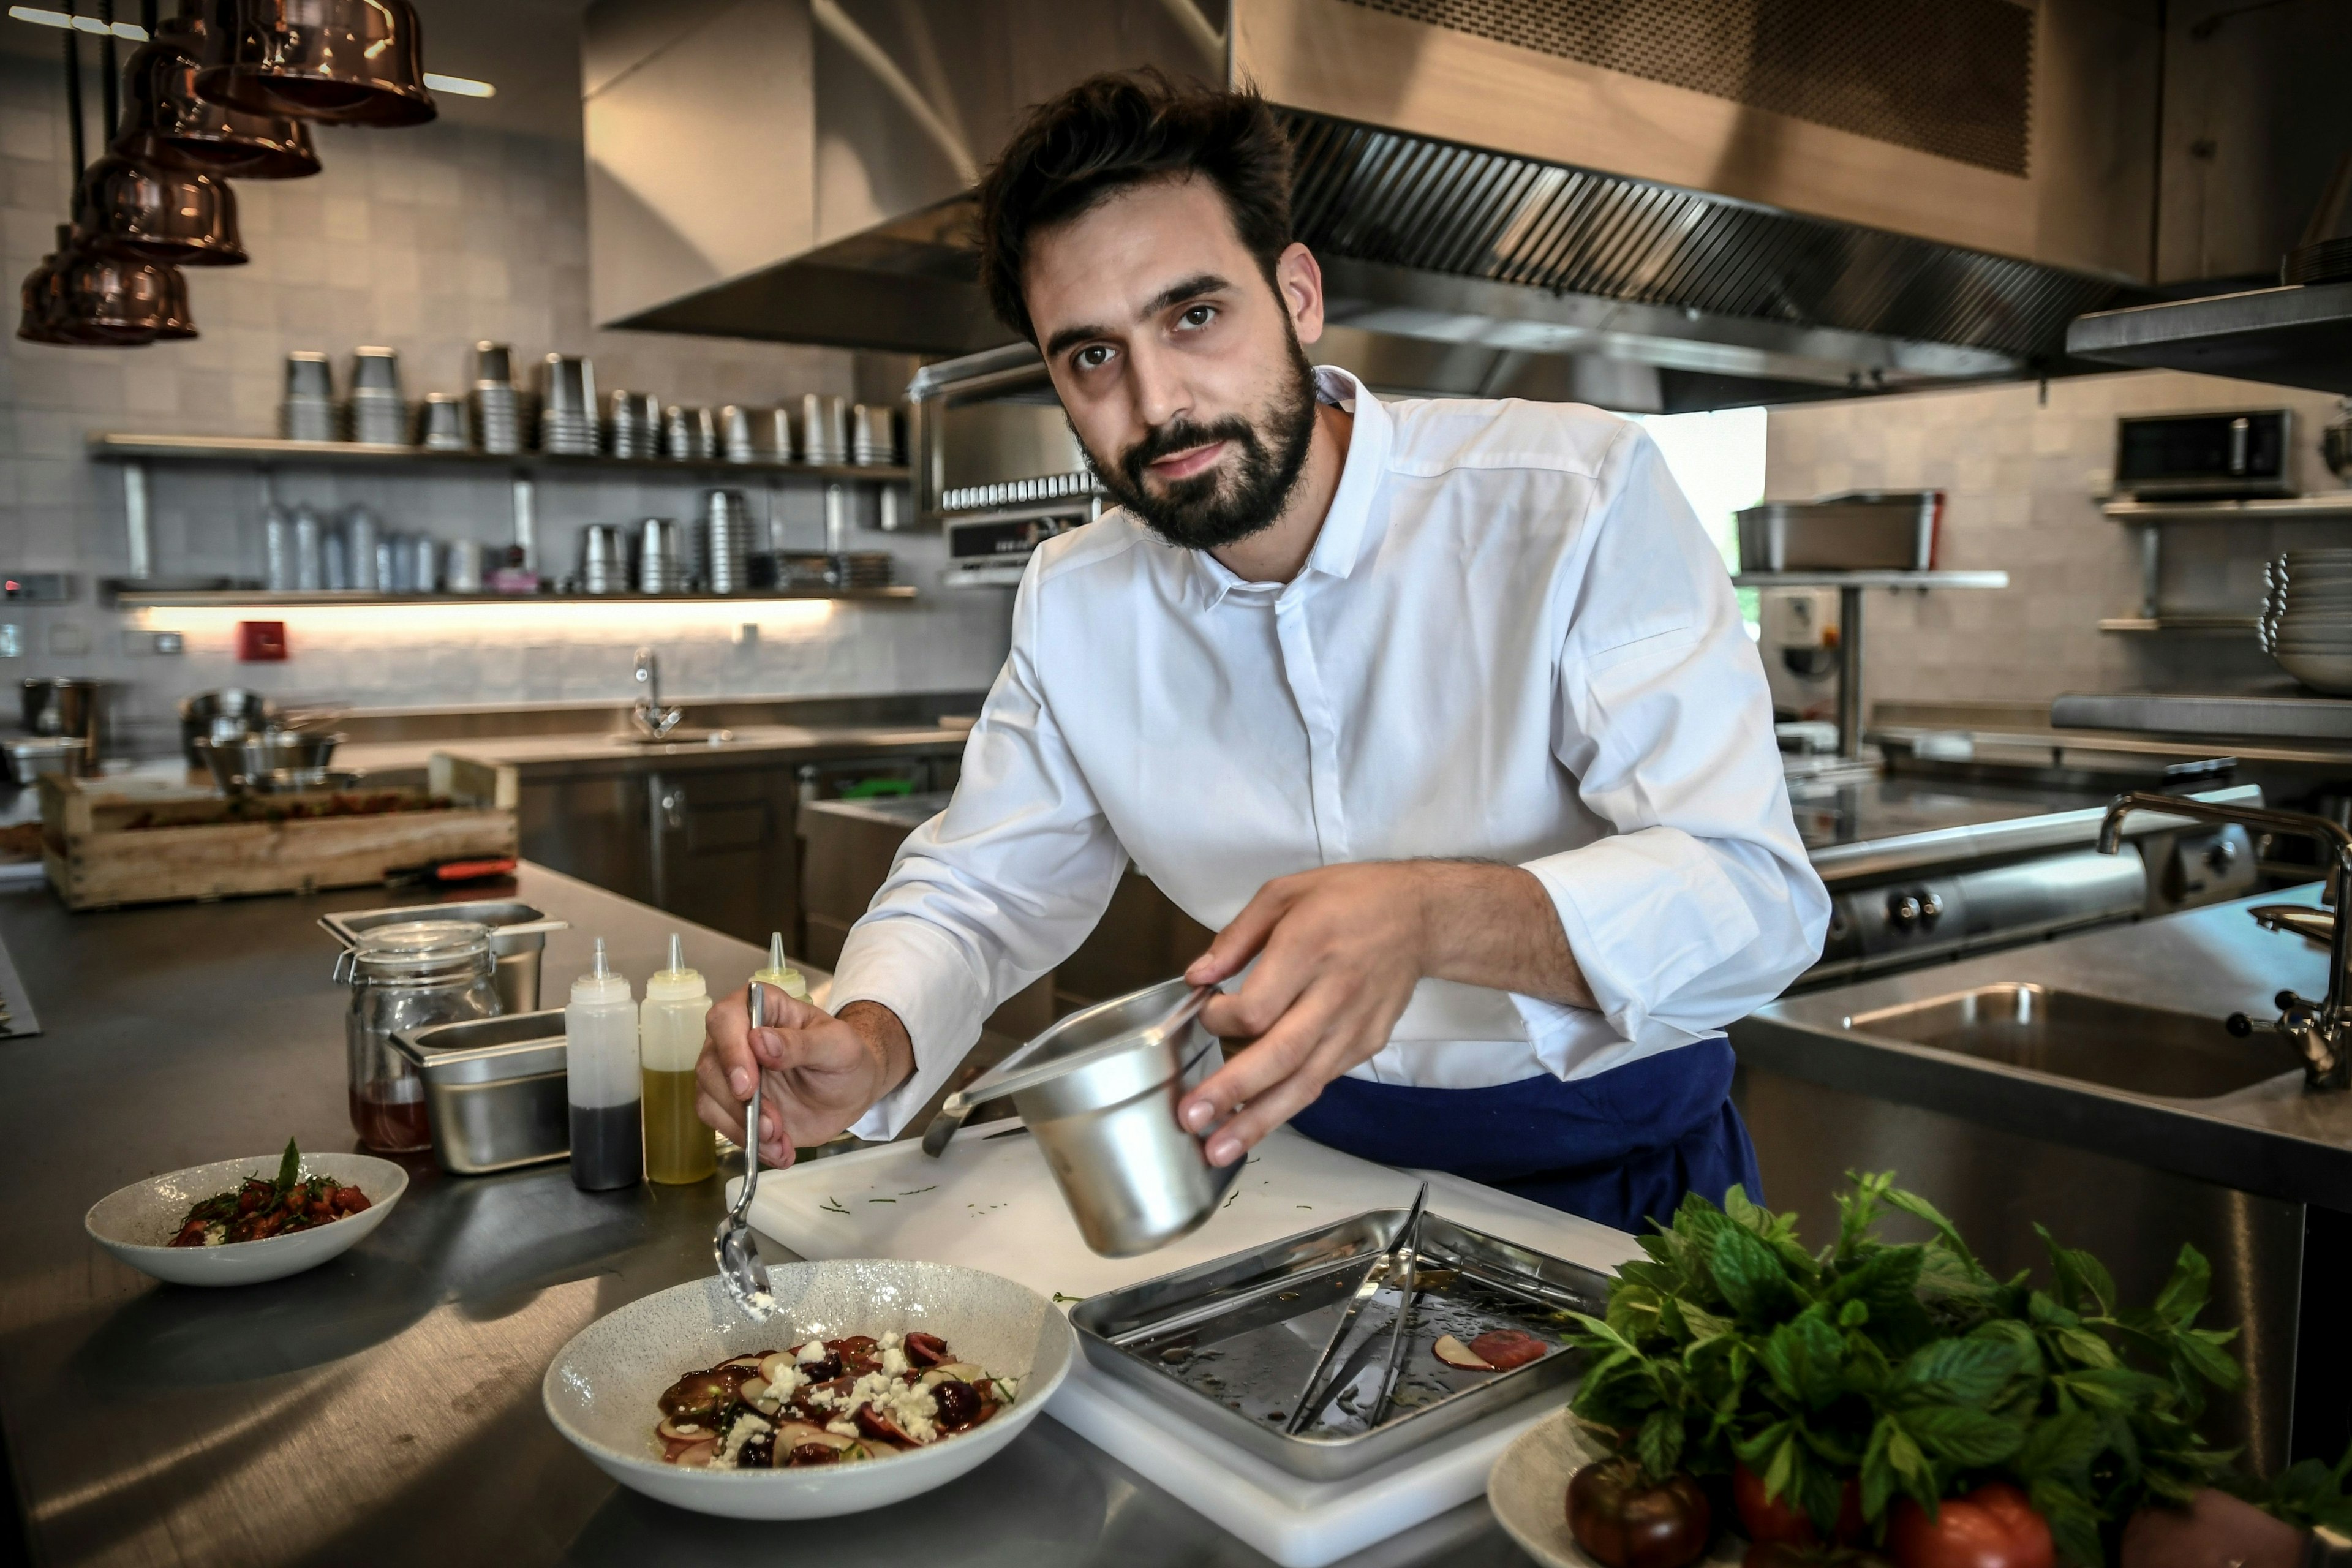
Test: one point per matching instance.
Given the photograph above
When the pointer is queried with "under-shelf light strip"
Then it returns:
(515, 618)
(42, 16)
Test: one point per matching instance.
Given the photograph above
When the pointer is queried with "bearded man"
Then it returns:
(1440, 712)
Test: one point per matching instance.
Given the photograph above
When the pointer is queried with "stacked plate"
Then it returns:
(2307, 621)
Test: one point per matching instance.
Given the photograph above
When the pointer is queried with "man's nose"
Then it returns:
(1162, 394)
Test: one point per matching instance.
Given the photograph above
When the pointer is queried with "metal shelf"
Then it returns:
(107, 448)
(2190, 624)
(134, 598)
(2265, 509)
(2295, 336)
(1871, 579)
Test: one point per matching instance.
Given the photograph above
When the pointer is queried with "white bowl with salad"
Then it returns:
(240, 1222)
(878, 1379)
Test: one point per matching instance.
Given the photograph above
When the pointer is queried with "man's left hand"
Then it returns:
(1339, 952)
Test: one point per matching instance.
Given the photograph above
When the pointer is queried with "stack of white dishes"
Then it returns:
(378, 414)
(2306, 622)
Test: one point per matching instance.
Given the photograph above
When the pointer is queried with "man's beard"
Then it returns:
(1231, 500)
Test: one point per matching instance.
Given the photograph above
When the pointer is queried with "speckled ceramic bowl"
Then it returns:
(603, 1388)
(135, 1222)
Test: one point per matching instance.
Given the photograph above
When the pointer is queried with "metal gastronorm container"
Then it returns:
(494, 1090)
(518, 938)
(1268, 1312)
(1868, 530)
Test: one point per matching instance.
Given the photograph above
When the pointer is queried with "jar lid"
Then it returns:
(412, 948)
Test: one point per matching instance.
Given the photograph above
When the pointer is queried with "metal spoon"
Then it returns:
(740, 1268)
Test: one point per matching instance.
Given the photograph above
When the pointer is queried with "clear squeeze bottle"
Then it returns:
(779, 973)
(600, 1060)
(678, 1148)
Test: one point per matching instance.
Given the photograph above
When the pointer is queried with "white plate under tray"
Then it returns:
(990, 1203)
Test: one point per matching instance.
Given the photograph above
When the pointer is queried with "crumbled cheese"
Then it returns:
(841, 1428)
(215, 1234)
(686, 1428)
(747, 1427)
(894, 1362)
(1005, 1388)
(890, 1341)
(822, 1397)
(789, 1381)
(812, 1351)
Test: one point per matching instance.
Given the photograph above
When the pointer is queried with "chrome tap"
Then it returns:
(648, 716)
(2321, 1030)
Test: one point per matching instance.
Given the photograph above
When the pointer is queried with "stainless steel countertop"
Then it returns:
(541, 756)
(384, 1407)
(2272, 1138)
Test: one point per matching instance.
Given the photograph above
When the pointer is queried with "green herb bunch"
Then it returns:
(1905, 1370)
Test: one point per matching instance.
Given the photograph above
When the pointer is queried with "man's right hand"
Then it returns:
(821, 1072)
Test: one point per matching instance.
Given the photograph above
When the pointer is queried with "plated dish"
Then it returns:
(141, 1223)
(261, 1207)
(825, 1402)
(604, 1389)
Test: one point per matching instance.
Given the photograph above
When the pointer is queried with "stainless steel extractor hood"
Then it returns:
(1657, 204)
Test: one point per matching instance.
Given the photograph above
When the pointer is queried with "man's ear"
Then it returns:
(1299, 281)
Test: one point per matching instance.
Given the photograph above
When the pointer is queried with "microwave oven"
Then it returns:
(2169, 457)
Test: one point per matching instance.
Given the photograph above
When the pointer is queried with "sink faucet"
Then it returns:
(648, 716)
(2322, 1030)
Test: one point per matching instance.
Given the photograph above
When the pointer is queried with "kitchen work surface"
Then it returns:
(384, 1407)
(989, 1202)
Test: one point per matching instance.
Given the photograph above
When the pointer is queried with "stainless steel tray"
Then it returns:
(518, 935)
(1228, 1344)
(494, 1089)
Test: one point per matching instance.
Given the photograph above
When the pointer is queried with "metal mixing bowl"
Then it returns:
(267, 763)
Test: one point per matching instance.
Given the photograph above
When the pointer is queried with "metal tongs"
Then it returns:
(740, 1268)
(1397, 1266)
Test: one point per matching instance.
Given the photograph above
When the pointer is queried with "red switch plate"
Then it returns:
(261, 642)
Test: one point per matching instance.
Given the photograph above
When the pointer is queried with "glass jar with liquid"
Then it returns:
(678, 1148)
(403, 977)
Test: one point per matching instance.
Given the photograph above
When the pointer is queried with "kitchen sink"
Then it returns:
(2094, 1039)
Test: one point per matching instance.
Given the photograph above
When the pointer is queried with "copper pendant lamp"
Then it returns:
(339, 62)
(98, 299)
(161, 102)
(140, 201)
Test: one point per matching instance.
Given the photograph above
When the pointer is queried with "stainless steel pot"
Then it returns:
(267, 763)
(224, 715)
(1098, 1091)
(65, 705)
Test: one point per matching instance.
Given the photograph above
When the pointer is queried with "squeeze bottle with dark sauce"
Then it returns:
(600, 1062)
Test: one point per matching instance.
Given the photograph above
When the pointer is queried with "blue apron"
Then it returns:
(1621, 1147)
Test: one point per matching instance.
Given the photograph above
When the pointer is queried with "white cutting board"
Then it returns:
(990, 1203)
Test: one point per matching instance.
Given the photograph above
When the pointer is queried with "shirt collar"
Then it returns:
(1340, 543)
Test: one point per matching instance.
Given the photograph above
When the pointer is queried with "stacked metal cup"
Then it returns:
(441, 423)
(727, 539)
(360, 536)
(825, 429)
(661, 566)
(378, 414)
(567, 405)
(497, 413)
(309, 412)
(632, 425)
(678, 433)
(735, 435)
(773, 430)
(604, 559)
(874, 435)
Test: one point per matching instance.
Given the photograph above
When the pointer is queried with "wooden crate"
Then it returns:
(104, 844)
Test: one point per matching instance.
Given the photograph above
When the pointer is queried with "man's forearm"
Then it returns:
(1495, 926)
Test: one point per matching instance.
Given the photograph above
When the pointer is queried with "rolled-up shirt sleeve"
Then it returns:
(1702, 905)
(987, 896)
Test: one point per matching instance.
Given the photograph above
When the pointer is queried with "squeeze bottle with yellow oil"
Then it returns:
(678, 1148)
(779, 973)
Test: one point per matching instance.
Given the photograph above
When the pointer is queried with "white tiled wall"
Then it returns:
(424, 239)
(2022, 470)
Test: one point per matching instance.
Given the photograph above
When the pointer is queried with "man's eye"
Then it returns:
(1092, 357)
(1198, 315)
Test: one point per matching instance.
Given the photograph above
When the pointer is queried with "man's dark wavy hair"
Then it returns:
(1117, 131)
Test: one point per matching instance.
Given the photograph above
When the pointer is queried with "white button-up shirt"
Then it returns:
(1512, 642)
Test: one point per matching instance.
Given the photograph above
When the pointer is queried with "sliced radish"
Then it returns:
(1454, 1353)
(753, 1390)
(1504, 1349)
(694, 1455)
(773, 1368)
(673, 1430)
